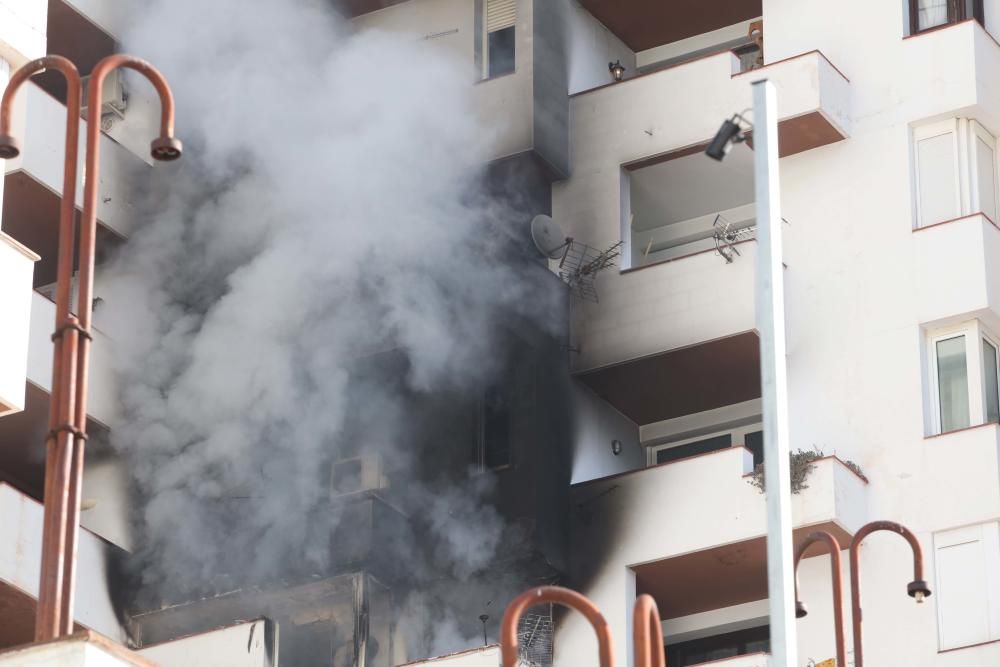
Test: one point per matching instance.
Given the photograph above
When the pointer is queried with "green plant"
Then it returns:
(802, 464)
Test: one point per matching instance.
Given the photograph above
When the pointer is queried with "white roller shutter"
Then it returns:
(500, 14)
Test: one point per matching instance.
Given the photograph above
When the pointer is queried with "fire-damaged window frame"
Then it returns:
(496, 39)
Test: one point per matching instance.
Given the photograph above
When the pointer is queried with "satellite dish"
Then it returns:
(548, 236)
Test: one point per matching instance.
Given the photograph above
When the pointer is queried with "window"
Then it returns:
(953, 383)
(927, 14)
(719, 647)
(944, 189)
(495, 429)
(499, 36)
(965, 378)
(967, 569)
(749, 436)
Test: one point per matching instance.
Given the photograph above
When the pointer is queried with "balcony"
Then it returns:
(970, 248)
(692, 533)
(41, 160)
(16, 268)
(639, 177)
(20, 560)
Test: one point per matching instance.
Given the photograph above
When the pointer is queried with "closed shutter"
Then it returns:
(500, 14)
(968, 589)
(937, 173)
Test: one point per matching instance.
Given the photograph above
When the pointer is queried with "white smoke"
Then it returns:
(328, 207)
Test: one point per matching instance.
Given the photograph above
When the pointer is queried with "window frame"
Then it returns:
(482, 42)
(924, 133)
(995, 342)
(974, 333)
(957, 11)
(977, 131)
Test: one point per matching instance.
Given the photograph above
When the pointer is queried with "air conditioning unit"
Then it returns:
(114, 98)
(357, 475)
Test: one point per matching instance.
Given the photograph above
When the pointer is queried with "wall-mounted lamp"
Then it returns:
(616, 447)
(617, 70)
(729, 134)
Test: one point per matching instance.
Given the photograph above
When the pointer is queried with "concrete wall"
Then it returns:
(22, 37)
(244, 645)
(591, 47)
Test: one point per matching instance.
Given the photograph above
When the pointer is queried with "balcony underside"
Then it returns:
(720, 577)
(643, 24)
(684, 381)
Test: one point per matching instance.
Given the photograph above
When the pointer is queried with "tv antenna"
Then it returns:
(579, 263)
(727, 235)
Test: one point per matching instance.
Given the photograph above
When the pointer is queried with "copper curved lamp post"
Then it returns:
(917, 589)
(647, 633)
(71, 341)
(838, 587)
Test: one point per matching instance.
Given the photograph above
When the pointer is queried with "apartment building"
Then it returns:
(888, 121)
(888, 172)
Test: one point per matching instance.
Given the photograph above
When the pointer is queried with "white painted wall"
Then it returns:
(17, 265)
(597, 424)
(22, 30)
(591, 47)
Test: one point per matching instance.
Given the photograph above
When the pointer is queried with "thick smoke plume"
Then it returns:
(327, 218)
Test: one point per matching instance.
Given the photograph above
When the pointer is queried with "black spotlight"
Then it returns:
(730, 133)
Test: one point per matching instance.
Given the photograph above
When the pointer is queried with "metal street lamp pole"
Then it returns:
(770, 306)
(71, 341)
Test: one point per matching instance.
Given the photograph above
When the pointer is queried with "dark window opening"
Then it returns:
(500, 50)
(719, 647)
(694, 448)
(755, 443)
(927, 14)
(496, 429)
(72, 35)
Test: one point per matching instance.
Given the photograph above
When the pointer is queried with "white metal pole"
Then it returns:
(774, 381)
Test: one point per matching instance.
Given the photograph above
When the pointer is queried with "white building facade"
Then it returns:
(889, 122)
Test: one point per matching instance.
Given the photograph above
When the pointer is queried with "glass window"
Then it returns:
(501, 52)
(991, 391)
(694, 448)
(719, 647)
(931, 13)
(937, 190)
(953, 383)
(496, 429)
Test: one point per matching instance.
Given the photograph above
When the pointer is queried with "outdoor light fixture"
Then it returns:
(616, 447)
(617, 70)
(730, 133)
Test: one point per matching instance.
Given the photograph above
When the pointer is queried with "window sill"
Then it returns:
(960, 430)
(962, 648)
